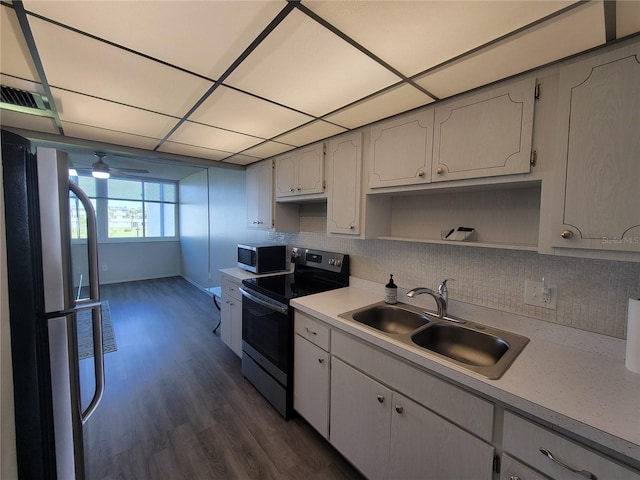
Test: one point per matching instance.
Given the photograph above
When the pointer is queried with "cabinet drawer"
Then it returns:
(511, 469)
(468, 411)
(312, 330)
(230, 287)
(524, 439)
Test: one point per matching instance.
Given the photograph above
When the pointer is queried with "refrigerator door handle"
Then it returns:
(94, 297)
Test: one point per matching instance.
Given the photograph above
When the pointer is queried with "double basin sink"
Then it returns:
(482, 349)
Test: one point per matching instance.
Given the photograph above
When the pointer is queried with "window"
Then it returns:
(126, 208)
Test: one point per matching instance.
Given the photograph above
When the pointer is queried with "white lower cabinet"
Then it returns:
(311, 384)
(387, 435)
(425, 445)
(231, 315)
(512, 469)
(360, 419)
(558, 456)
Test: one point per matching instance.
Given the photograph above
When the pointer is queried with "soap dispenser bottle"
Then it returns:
(390, 292)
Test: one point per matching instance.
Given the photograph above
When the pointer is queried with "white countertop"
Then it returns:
(572, 381)
(240, 274)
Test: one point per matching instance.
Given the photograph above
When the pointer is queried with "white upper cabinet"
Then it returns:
(400, 151)
(598, 174)
(300, 172)
(486, 134)
(260, 195)
(344, 170)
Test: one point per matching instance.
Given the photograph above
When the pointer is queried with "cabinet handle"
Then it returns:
(310, 331)
(421, 173)
(351, 227)
(381, 398)
(321, 360)
(299, 189)
(255, 222)
(567, 234)
(291, 189)
(514, 477)
(399, 409)
(584, 473)
(439, 170)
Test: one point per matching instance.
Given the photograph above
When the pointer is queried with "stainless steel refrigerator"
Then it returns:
(43, 305)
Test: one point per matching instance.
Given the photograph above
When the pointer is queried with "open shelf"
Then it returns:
(503, 246)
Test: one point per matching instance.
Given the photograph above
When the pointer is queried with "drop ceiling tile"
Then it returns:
(386, 104)
(241, 159)
(627, 18)
(15, 58)
(76, 62)
(21, 84)
(103, 135)
(211, 137)
(25, 121)
(202, 37)
(233, 110)
(304, 66)
(310, 133)
(81, 109)
(414, 36)
(192, 151)
(268, 149)
(576, 31)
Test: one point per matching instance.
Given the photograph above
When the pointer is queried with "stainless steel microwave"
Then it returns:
(262, 258)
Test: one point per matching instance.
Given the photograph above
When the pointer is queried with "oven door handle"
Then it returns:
(277, 307)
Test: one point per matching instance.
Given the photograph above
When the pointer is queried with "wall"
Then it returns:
(593, 295)
(213, 220)
(194, 227)
(228, 219)
(129, 261)
(8, 461)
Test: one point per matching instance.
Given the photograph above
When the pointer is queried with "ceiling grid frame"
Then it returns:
(355, 113)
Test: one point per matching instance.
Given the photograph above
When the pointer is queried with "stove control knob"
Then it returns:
(332, 261)
(337, 262)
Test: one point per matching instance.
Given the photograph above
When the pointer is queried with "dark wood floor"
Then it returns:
(177, 406)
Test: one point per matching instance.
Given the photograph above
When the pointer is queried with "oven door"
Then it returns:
(267, 330)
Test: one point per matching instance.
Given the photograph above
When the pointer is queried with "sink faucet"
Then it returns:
(440, 301)
(441, 296)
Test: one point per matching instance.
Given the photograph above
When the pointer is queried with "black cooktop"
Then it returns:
(315, 272)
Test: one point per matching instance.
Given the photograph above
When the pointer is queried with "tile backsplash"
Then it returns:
(593, 295)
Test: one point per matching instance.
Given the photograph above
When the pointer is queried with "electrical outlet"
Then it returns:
(534, 295)
(105, 268)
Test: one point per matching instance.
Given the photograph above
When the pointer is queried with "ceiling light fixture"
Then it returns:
(100, 169)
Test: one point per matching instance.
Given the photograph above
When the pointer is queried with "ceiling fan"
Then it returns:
(100, 169)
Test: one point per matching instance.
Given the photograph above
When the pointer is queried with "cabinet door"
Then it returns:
(344, 166)
(400, 151)
(260, 195)
(236, 326)
(285, 175)
(598, 118)
(486, 134)
(231, 315)
(225, 319)
(311, 384)
(310, 172)
(360, 419)
(300, 172)
(424, 445)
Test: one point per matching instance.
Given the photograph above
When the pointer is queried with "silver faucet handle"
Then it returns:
(442, 288)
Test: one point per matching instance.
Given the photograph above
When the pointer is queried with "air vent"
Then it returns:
(25, 102)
